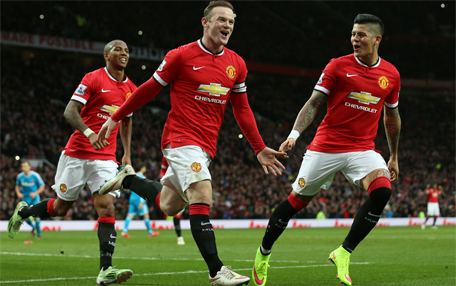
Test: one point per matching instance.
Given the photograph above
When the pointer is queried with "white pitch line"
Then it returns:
(169, 273)
(143, 258)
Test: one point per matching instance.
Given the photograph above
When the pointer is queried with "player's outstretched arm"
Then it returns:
(392, 122)
(72, 115)
(267, 158)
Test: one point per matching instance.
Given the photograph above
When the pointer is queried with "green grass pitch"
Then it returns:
(402, 256)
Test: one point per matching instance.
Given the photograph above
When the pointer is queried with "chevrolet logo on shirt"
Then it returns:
(364, 97)
(110, 109)
(214, 89)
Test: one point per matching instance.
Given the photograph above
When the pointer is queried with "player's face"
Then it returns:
(221, 25)
(363, 41)
(25, 167)
(118, 55)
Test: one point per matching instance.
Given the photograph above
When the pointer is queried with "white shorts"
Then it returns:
(187, 165)
(318, 169)
(74, 173)
(433, 209)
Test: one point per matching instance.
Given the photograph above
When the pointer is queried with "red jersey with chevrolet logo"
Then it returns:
(201, 85)
(356, 94)
(101, 95)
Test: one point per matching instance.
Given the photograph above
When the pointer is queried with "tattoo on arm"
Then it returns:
(309, 111)
(392, 122)
(382, 173)
(73, 116)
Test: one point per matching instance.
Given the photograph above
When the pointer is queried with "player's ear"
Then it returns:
(106, 56)
(378, 39)
(204, 21)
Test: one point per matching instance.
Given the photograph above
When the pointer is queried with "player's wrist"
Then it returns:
(88, 132)
(294, 134)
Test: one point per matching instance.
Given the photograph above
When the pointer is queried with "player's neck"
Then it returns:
(117, 74)
(27, 173)
(211, 46)
(369, 60)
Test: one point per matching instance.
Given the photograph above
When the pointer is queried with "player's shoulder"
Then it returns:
(34, 173)
(20, 175)
(389, 66)
(95, 75)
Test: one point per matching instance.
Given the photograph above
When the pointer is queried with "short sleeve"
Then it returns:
(327, 79)
(169, 68)
(84, 89)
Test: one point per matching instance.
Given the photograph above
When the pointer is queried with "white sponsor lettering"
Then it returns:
(103, 116)
(26, 184)
(208, 99)
(112, 243)
(355, 106)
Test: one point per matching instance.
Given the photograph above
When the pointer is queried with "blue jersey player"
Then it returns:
(138, 206)
(29, 185)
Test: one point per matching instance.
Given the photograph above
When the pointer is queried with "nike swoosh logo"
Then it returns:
(369, 213)
(102, 90)
(112, 187)
(257, 280)
(350, 75)
(214, 279)
(195, 68)
(112, 236)
(205, 223)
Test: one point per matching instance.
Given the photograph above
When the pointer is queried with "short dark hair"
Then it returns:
(26, 161)
(139, 165)
(213, 4)
(370, 19)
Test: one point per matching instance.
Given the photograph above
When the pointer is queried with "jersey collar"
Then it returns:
(365, 65)
(200, 43)
(113, 78)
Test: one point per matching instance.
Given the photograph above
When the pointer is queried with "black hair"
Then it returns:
(370, 19)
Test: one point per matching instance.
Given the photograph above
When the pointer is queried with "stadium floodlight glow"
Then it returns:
(442, 5)
(143, 67)
(240, 136)
(17, 157)
(41, 16)
(140, 32)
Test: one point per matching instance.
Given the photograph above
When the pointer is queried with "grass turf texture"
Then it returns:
(389, 256)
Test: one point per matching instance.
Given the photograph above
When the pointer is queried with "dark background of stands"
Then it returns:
(419, 40)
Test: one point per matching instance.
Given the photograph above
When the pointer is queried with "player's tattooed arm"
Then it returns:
(72, 115)
(309, 111)
(392, 122)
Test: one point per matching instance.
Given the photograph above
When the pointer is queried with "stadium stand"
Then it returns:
(37, 84)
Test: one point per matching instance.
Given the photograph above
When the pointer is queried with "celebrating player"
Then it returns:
(205, 76)
(138, 206)
(433, 209)
(29, 186)
(88, 161)
(356, 87)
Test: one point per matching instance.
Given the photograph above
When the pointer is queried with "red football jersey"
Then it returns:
(433, 195)
(101, 95)
(202, 83)
(356, 94)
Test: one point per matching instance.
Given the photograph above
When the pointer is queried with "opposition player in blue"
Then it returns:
(138, 206)
(29, 185)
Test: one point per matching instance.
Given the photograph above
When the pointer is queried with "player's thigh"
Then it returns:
(99, 171)
(317, 172)
(200, 192)
(187, 165)
(171, 200)
(363, 167)
(69, 178)
(144, 210)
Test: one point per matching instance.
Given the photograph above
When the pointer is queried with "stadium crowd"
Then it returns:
(37, 86)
